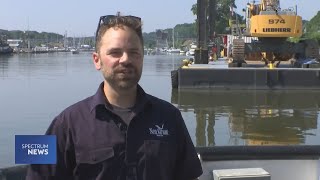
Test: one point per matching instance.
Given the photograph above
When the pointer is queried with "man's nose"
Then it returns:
(124, 58)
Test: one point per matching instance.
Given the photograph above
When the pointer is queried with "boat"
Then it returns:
(190, 52)
(182, 52)
(74, 51)
(173, 50)
(40, 49)
(192, 49)
(292, 162)
(4, 47)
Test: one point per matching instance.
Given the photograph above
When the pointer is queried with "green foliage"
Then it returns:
(149, 39)
(182, 32)
(313, 28)
(185, 31)
(45, 38)
(34, 37)
(294, 39)
(314, 24)
(17, 34)
(314, 35)
(223, 15)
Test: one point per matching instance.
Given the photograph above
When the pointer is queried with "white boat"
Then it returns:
(192, 49)
(190, 52)
(173, 50)
(293, 162)
(74, 51)
(40, 49)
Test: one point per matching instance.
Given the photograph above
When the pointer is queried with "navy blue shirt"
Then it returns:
(92, 144)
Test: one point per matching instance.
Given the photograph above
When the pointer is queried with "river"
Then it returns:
(36, 87)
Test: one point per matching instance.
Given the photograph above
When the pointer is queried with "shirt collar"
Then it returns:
(100, 99)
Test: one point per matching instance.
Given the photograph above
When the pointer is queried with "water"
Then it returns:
(36, 87)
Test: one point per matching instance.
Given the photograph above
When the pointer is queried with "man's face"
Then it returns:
(120, 58)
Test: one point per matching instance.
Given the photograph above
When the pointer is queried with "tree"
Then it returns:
(149, 39)
(313, 28)
(314, 24)
(223, 14)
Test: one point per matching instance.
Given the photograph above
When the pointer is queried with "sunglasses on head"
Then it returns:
(105, 20)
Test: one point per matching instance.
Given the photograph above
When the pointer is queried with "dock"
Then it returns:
(254, 76)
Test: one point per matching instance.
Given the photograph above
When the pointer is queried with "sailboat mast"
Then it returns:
(173, 38)
(28, 31)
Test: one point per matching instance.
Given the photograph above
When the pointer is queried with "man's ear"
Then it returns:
(96, 60)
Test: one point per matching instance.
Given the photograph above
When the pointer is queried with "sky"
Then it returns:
(80, 17)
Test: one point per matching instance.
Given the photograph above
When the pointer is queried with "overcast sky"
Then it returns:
(80, 18)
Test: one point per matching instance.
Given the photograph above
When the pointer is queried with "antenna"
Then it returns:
(296, 7)
(28, 33)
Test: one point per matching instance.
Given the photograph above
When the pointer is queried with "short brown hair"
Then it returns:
(110, 21)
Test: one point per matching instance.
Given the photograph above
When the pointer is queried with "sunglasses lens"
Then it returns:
(135, 18)
(105, 20)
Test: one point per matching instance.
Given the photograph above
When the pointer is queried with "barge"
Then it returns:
(218, 75)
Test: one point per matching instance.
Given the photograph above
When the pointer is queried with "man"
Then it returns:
(121, 132)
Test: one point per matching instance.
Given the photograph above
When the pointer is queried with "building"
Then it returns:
(14, 44)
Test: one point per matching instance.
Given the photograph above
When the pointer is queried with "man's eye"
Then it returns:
(135, 52)
(115, 53)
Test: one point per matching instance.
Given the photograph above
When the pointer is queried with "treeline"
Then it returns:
(313, 28)
(17, 34)
(45, 38)
(182, 32)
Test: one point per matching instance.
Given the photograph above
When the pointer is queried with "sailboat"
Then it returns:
(173, 49)
(74, 49)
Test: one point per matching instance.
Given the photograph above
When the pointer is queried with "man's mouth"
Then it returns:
(124, 71)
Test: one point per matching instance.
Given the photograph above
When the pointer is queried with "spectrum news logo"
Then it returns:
(35, 149)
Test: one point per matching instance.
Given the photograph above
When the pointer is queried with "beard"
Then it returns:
(122, 76)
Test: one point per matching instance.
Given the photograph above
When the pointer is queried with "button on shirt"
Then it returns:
(91, 144)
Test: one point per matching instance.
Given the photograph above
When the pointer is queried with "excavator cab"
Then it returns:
(272, 26)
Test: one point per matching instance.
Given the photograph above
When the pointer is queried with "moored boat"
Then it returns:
(5, 48)
(75, 51)
(173, 50)
(192, 49)
(190, 52)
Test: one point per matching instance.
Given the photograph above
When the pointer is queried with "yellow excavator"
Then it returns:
(272, 26)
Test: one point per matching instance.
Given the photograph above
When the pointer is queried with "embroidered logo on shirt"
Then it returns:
(159, 131)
